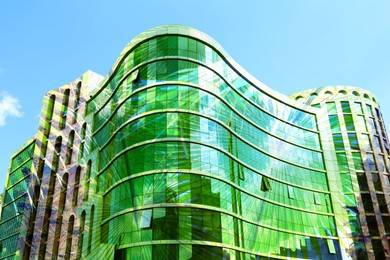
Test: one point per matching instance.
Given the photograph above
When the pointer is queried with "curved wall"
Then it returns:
(361, 146)
(196, 159)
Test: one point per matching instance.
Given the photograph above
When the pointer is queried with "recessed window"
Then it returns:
(291, 194)
(332, 249)
(69, 237)
(265, 185)
(90, 228)
(338, 142)
(343, 92)
(81, 235)
(146, 219)
(64, 109)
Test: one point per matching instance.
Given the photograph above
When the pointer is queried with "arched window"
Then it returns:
(76, 102)
(49, 198)
(343, 92)
(76, 186)
(47, 127)
(82, 140)
(64, 110)
(60, 211)
(328, 93)
(355, 93)
(90, 230)
(50, 108)
(87, 179)
(81, 235)
(69, 150)
(57, 152)
(69, 237)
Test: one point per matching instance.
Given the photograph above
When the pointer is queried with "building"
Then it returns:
(179, 153)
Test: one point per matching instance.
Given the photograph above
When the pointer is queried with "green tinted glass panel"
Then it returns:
(353, 142)
(357, 161)
(331, 107)
(349, 124)
(338, 142)
(342, 162)
(358, 107)
(345, 107)
(334, 123)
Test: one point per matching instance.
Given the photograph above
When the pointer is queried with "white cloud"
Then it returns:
(9, 106)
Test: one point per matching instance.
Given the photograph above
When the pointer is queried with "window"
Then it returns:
(69, 151)
(90, 229)
(334, 123)
(60, 211)
(345, 107)
(317, 198)
(357, 161)
(338, 142)
(349, 124)
(359, 108)
(81, 235)
(82, 140)
(50, 108)
(369, 108)
(64, 110)
(76, 102)
(353, 142)
(370, 161)
(331, 107)
(87, 179)
(290, 192)
(367, 203)
(331, 247)
(146, 219)
(76, 186)
(265, 185)
(69, 237)
(57, 151)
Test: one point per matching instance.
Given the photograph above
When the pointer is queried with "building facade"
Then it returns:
(179, 153)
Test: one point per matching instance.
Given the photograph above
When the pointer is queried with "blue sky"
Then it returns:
(288, 45)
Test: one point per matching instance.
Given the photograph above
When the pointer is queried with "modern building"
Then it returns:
(179, 153)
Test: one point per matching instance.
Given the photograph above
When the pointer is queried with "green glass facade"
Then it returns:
(180, 154)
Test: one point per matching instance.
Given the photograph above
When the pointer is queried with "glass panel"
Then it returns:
(362, 180)
(370, 162)
(146, 218)
(338, 142)
(371, 125)
(345, 107)
(377, 181)
(377, 143)
(331, 107)
(369, 109)
(366, 145)
(353, 142)
(359, 108)
(334, 123)
(342, 162)
(362, 124)
(367, 203)
(349, 124)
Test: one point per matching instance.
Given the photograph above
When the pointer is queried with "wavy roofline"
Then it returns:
(194, 33)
